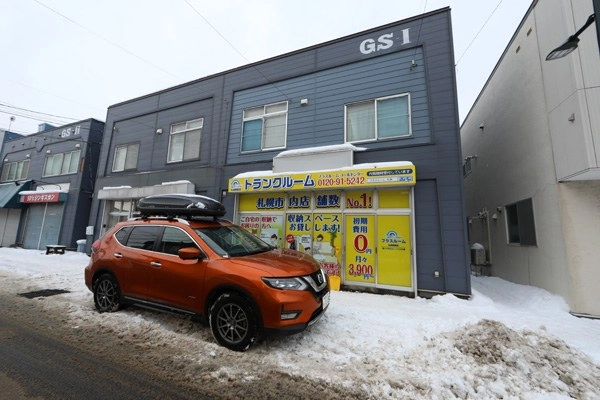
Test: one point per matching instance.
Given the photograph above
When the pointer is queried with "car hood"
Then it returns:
(280, 262)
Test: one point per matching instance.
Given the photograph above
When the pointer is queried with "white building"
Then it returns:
(531, 145)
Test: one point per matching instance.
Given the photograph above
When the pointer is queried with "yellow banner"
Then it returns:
(398, 175)
(360, 248)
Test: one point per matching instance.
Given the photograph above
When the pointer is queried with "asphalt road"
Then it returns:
(39, 360)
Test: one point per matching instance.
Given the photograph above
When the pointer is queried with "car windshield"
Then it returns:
(232, 241)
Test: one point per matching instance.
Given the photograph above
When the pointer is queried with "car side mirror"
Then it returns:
(190, 253)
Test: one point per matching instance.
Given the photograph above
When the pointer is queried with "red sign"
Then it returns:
(41, 197)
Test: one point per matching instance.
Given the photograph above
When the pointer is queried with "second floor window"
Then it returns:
(126, 157)
(384, 118)
(14, 171)
(265, 127)
(184, 142)
(62, 163)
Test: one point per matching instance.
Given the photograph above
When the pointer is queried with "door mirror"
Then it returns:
(190, 253)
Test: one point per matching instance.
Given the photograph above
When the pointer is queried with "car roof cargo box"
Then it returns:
(189, 205)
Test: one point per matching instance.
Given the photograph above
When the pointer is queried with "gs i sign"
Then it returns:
(383, 42)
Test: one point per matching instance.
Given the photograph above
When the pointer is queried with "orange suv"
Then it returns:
(179, 257)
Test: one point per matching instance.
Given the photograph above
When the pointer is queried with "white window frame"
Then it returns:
(375, 102)
(255, 114)
(14, 171)
(128, 148)
(185, 129)
(66, 163)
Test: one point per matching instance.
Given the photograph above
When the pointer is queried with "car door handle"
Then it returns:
(156, 264)
(118, 255)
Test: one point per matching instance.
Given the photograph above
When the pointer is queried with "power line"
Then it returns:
(217, 31)
(477, 34)
(106, 40)
(58, 122)
(37, 112)
(236, 50)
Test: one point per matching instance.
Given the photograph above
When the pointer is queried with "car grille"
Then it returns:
(317, 280)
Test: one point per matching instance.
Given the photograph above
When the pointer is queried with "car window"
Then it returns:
(121, 235)
(174, 239)
(143, 237)
(232, 241)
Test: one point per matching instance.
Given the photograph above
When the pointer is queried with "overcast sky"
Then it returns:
(72, 59)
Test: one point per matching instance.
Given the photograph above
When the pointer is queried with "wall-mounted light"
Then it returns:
(303, 102)
(413, 64)
(572, 117)
(27, 155)
(6, 160)
(468, 158)
(77, 145)
(159, 131)
(48, 151)
(481, 126)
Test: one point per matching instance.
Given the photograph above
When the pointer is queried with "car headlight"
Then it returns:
(286, 283)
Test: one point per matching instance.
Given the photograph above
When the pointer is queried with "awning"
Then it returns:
(9, 193)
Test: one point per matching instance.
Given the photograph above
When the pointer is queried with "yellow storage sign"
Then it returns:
(399, 174)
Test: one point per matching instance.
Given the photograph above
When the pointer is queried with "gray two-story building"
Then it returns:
(47, 184)
(348, 150)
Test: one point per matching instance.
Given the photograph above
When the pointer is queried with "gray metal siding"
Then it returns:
(75, 215)
(329, 75)
(322, 121)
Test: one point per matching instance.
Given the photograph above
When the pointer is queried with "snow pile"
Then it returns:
(508, 341)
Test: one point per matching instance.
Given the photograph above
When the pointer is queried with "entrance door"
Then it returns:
(394, 250)
(9, 224)
(378, 250)
(43, 225)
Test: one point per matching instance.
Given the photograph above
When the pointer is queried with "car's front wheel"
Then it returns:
(233, 322)
(107, 295)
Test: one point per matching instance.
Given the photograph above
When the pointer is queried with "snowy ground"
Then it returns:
(509, 341)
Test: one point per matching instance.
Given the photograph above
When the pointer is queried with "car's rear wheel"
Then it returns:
(107, 295)
(233, 322)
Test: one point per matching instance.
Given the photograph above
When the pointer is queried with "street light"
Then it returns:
(571, 43)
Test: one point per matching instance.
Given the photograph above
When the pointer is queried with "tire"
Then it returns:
(233, 322)
(107, 295)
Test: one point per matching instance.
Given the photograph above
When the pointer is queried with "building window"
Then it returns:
(126, 157)
(62, 163)
(14, 171)
(384, 118)
(265, 127)
(520, 223)
(467, 167)
(184, 142)
(118, 211)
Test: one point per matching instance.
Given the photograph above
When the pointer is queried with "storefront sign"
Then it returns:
(360, 248)
(299, 201)
(45, 197)
(327, 242)
(298, 230)
(401, 175)
(328, 200)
